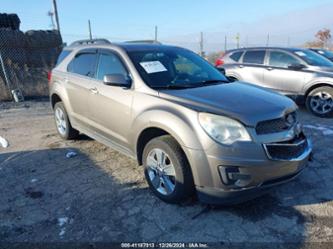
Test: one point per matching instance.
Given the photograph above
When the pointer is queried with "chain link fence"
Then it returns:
(25, 60)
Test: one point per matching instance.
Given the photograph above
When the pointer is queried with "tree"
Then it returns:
(323, 38)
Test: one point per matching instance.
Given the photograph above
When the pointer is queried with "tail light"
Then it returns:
(49, 75)
(219, 62)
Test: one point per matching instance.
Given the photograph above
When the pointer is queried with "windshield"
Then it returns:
(174, 68)
(326, 53)
(313, 59)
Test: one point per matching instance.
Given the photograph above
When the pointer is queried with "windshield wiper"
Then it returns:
(171, 86)
(192, 85)
(212, 82)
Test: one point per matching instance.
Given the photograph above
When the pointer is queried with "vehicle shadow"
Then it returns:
(48, 197)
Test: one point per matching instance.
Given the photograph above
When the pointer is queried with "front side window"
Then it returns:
(254, 57)
(83, 64)
(174, 67)
(313, 59)
(110, 64)
(281, 59)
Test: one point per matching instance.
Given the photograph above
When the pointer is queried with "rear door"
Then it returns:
(251, 69)
(111, 105)
(79, 85)
(278, 76)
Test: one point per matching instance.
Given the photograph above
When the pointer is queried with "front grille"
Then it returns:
(276, 125)
(287, 150)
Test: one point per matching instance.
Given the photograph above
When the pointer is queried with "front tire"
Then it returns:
(320, 101)
(167, 170)
(64, 127)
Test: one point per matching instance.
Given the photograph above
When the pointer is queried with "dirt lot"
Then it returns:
(101, 195)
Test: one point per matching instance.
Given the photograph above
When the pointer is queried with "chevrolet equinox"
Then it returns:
(194, 133)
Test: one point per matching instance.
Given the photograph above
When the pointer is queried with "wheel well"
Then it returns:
(145, 136)
(233, 78)
(55, 99)
(316, 86)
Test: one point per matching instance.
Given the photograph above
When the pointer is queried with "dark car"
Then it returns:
(296, 72)
(324, 52)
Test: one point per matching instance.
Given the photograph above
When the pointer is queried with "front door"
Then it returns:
(279, 77)
(111, 105)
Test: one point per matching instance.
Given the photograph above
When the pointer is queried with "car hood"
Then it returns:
(242, 101)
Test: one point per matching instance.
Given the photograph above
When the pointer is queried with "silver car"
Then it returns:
(178, 116)
(300, 73)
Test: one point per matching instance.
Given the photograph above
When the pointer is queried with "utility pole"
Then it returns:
(156, 31)
(225, 43)
(89, 27)
(267, 41)
(55, 9)
(237, 39)
(201, 44)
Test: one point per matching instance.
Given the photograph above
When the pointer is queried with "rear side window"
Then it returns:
(83, 64)
(236, 56)
(254, 57)
(62, 56)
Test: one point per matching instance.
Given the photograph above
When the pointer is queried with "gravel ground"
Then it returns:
(101, 196)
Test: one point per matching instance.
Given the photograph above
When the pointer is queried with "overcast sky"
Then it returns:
(179, 22)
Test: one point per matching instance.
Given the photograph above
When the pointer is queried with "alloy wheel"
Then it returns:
(161, 171)
(60, 121)
(321, 102)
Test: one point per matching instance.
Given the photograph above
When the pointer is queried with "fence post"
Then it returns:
(5, 73)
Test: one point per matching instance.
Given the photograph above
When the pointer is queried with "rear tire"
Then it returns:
(167, 170)
(320, 101)
(63, 125)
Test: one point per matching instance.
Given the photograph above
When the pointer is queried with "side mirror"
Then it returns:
(296, 66)
(116, 80)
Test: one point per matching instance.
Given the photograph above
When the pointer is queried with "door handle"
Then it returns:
(241, 66)
(269, 68)
(93, 90)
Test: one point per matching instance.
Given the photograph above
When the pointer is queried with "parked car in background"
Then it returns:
(324, 52)
(180, 118)
(300, 73)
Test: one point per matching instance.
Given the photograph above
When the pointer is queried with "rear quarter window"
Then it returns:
(62, 56)
(254, 57)
(83, 64)
(235, 56)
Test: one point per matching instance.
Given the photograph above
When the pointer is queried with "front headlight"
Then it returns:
(222, 129)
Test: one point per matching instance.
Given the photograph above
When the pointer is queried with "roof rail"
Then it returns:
(90, 41)
(144, 41)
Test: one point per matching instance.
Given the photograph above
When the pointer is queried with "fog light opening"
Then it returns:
(231, 175)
